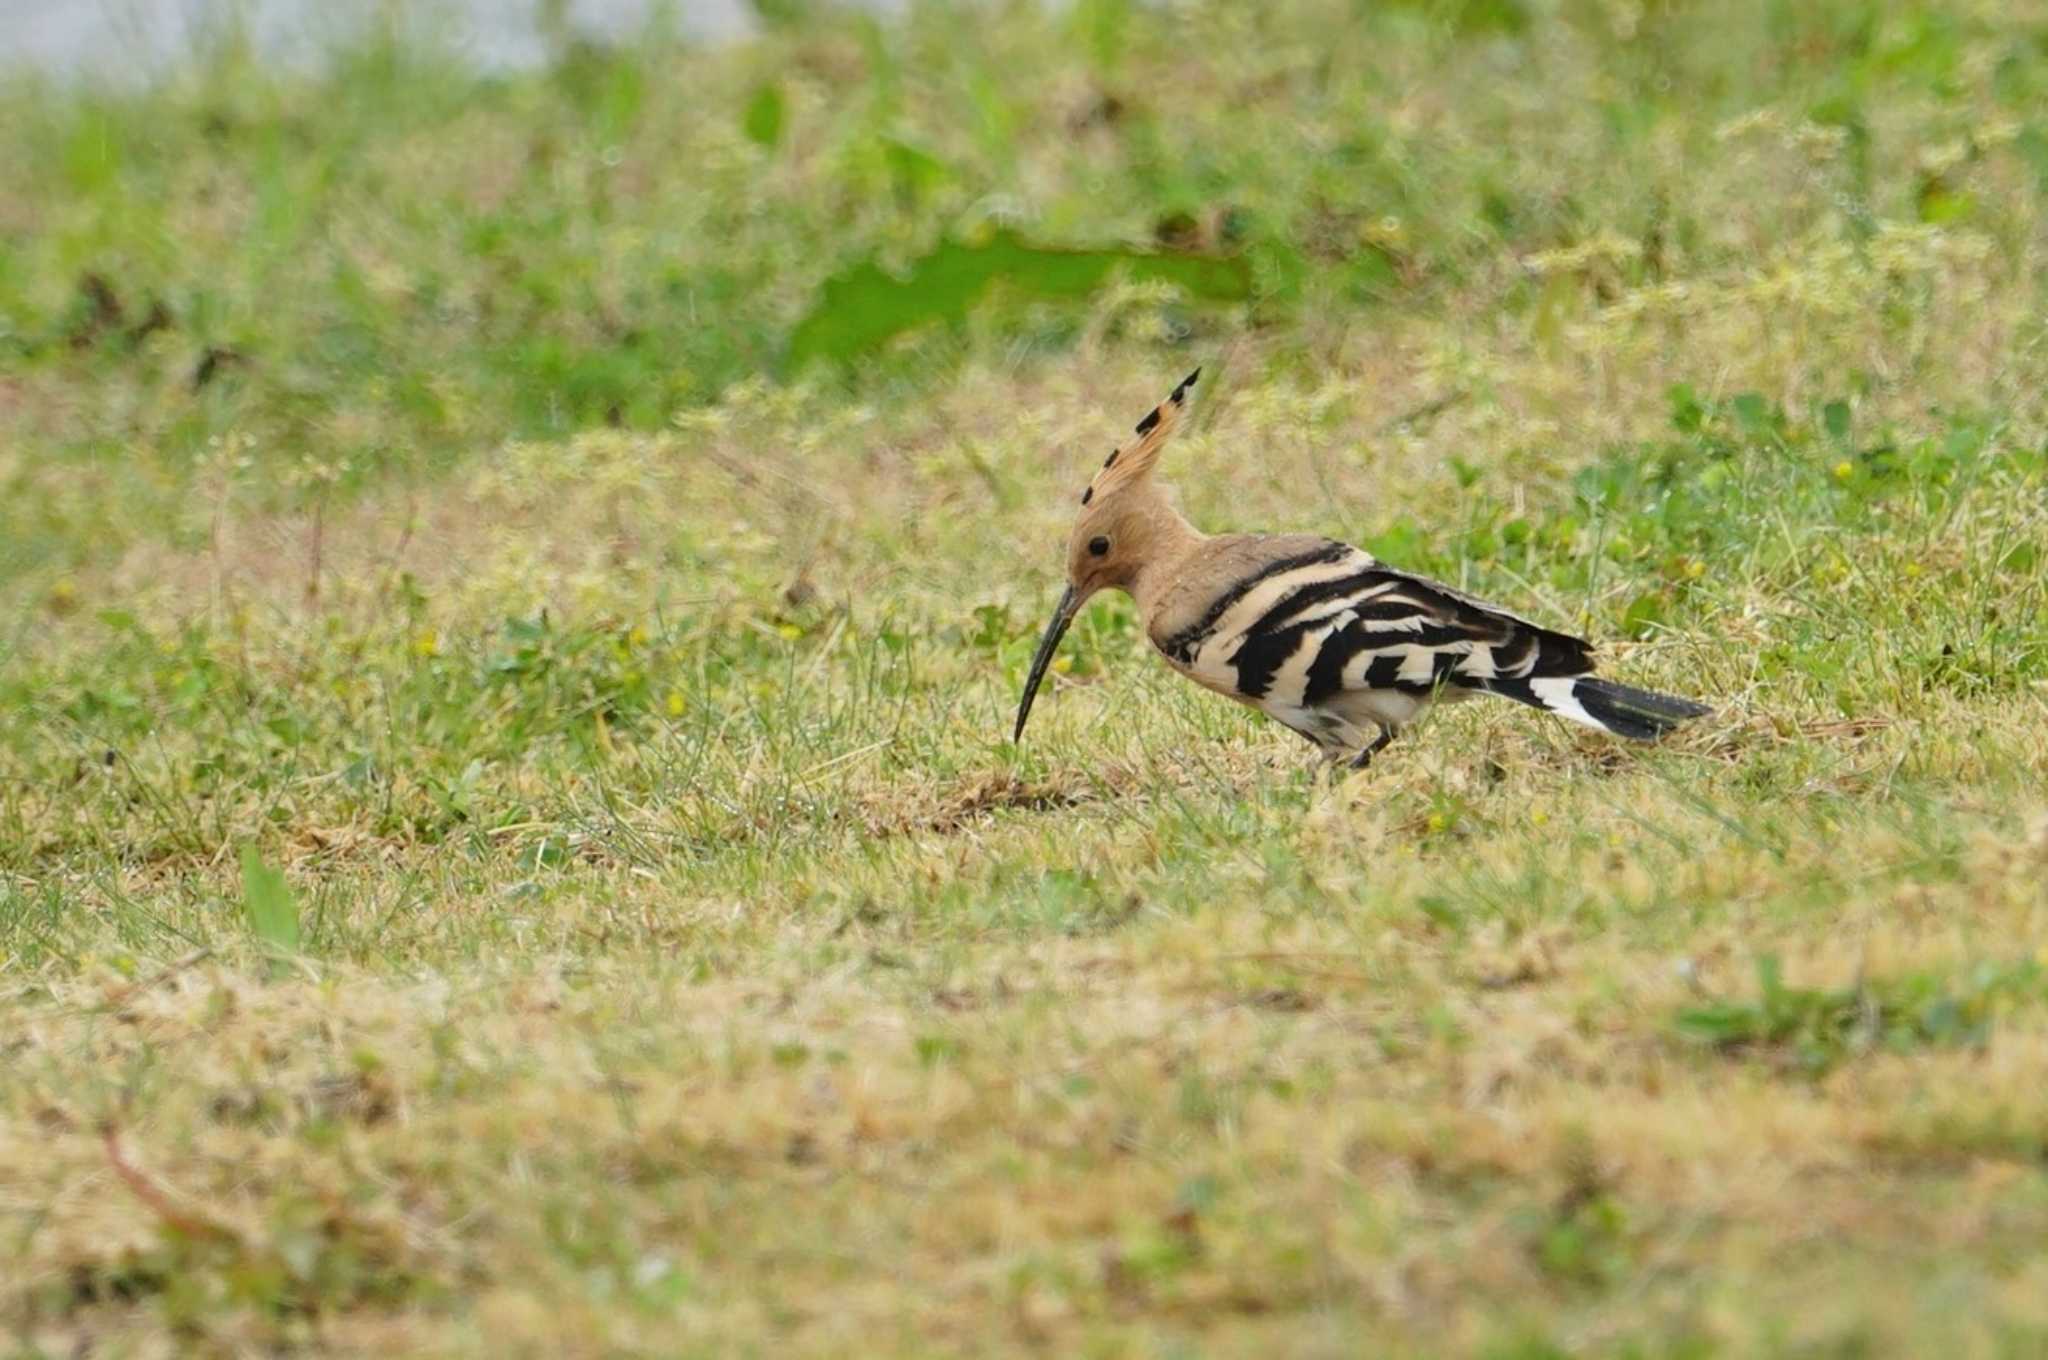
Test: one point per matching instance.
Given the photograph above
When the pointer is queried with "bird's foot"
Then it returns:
(1372, 748)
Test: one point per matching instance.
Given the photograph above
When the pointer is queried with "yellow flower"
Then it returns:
(1843, 470)
(427, 643)
(675, 703)
(789, 630)
(637, 638)
(1062, 664)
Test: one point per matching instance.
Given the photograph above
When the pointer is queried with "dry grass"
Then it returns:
(687, 964)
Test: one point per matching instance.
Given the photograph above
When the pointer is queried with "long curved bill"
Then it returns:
(1069, 605)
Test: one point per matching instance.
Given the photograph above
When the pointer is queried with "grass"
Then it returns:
(507, 837)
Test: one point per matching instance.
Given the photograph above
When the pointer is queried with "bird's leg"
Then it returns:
(1372, 748)
(1320, 740)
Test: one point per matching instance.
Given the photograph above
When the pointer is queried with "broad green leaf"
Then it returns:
(762, 121)
(866, 306)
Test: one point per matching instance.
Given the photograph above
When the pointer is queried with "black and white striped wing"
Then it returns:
(1298, 634)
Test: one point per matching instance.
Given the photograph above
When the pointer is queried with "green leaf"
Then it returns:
(1835, 416)
(867, 306)
(1688, 412)
(1753, 412)
(1644, 613)
(914, 172)
(1474, 18)
(1940, 206)
(273, 911)
(762, 121)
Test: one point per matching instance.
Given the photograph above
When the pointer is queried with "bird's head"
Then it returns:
(1123, 515)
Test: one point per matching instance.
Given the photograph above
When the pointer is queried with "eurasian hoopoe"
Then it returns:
(1337, 646)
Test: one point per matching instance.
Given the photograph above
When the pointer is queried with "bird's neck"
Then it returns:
(1170, 542)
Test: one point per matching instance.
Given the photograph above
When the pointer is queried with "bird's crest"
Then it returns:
(1133, 463)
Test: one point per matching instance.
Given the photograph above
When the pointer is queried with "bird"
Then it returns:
(1334, 644)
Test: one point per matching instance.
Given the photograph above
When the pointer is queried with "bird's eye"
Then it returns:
(1098, 546)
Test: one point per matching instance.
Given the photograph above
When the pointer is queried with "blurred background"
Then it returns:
(395, 231)
(135, 40)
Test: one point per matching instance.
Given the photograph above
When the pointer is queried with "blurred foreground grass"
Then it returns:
(506, 837)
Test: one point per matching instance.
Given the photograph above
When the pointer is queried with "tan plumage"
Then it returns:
(1316, 634)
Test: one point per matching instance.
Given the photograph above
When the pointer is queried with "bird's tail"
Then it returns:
(1638, 714)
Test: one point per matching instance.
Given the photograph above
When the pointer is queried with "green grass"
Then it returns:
(511, 609)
